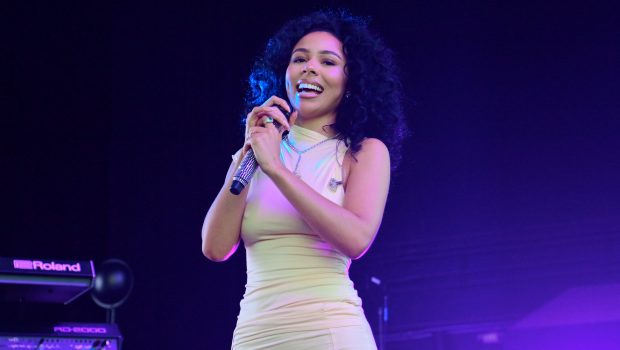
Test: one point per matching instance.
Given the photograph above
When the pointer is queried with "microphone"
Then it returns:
(248, 165)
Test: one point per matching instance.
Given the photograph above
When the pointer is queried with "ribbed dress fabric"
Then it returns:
(298, 293)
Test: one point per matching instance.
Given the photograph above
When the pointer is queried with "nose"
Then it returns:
(308, 68)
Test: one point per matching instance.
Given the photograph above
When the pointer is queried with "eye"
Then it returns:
(329, 63)
(298, 59)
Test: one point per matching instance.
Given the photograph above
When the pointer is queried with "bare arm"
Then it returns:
(350, 228)
(221, 229)
(222, 226)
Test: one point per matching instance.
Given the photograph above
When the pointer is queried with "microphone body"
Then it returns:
(248, 165)
(244, 173)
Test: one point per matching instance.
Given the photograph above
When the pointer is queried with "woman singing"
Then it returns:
(318, 197)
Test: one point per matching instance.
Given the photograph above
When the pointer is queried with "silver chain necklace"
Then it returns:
(300, 153)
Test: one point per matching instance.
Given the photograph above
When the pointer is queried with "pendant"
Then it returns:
(333, 184)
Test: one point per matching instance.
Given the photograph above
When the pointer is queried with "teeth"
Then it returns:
(306, 86)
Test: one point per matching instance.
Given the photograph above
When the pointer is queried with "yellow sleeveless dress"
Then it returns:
(298, 293)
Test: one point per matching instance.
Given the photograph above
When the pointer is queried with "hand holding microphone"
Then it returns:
(271, 112)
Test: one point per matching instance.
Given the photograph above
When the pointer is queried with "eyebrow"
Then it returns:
(321, 52)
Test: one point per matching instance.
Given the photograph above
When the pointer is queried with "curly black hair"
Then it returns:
(373, 107)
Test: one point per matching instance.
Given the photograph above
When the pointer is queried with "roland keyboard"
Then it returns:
(62, 336)
(44, 280)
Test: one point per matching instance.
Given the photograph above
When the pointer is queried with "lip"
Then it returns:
(306, 94)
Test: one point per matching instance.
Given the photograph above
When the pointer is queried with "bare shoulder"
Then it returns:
(374, 145)
(372, 153)
(368, 182)
(373, 159)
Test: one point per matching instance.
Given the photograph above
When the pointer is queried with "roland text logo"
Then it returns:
(45, 266)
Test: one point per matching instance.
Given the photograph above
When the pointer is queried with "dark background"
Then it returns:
(119, 119)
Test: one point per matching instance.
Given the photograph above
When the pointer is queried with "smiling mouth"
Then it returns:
(304, 88)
